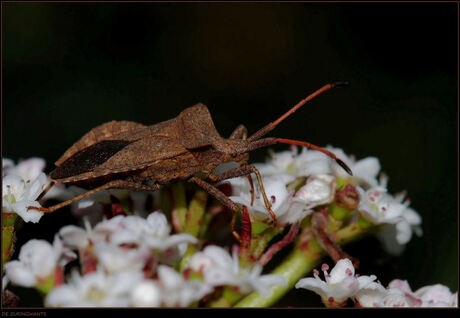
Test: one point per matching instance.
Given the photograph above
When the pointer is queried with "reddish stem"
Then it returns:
(319, 226)
(245, 229)
(275, 248)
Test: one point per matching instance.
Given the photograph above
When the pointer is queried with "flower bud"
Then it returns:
(347, 198)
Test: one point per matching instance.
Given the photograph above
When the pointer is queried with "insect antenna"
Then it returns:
(263, 131)
(309, 145)
(271, 141)
(255, 141)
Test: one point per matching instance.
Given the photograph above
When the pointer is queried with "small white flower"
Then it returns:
(399, 294)
(5, 282)
(339, 285)
(117, 259)
(278, 162)
(37, 261)
(19, 194)
(311, 162)
(305, 163)
(152, 233)
(437, 296)
(177, 291)
(378, 207)
(95, 289)
(394, 297)
(429, 296)
(397, 220)
(121, 229)
(275, 189)
(7, 164)
(78, 238)
(220, 269)
(28, 169)
(371, 296)
(146, 294)
(365, 171)
(318, 190)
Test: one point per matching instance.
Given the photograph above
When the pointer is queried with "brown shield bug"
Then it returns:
(128, 155)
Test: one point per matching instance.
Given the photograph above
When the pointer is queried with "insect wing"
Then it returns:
(142, 153)
(98, 134)
(116, 156)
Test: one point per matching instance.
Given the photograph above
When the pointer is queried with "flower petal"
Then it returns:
(343, 269)
(20, 274)
(21, 208)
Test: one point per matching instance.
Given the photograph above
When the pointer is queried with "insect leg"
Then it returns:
(242, 171)
(252, 188)
(115, 184)
(264, 195)
(50, 185)
(240, 132)
(219, 195)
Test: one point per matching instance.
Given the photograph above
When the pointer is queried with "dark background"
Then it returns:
(68, 67)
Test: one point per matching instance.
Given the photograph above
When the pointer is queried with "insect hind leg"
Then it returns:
(219, 195)
(115, 184)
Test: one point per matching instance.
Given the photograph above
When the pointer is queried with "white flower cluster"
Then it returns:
(21, 186)
(23, 183)
(38, 262)
(220, 269)
(128, 261)
(341, 284)
(132, 260)
(395, 220)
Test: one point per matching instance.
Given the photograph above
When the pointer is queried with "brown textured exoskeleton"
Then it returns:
(128, 155)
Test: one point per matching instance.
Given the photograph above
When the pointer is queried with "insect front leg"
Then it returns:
(243, 171)
(115, 184)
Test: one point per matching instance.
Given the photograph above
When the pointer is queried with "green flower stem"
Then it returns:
(363, 223)
(8, 239)
(45, 286)
(194, 215)
(180, 202)
(294, 267)
(230, 295)
(191, 249)
(9, 222)
(338, 212)
(341, 183)
(350, 233)
(193, 223)
(260, 241)
(333, 224)
(9, 219)
(298, 264)
(207, 218)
